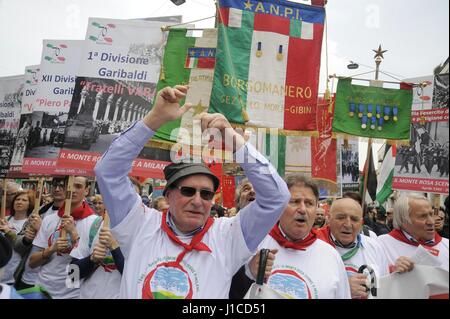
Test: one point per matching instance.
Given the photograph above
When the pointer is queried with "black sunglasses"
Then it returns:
(60, 184)
(187, 191)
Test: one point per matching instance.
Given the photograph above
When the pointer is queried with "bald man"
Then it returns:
(356, 249)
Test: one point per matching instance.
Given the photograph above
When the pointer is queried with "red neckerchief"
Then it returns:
(298, 245)
(196, 242)
(324, 234)
(78, 213)
(398, 234)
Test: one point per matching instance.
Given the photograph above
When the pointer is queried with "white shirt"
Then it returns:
(145, 246)
(370, 253)
(395, 248)
(10, 268)
(102, 283)
(315, 273)
(29, 275)
(52, 276)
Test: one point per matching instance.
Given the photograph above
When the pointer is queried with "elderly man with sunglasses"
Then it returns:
(185, 253)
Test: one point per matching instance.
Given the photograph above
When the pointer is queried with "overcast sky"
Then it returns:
(415, 32)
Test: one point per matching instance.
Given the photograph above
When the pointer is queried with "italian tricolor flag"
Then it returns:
(386, 174)
(268, 63)
(188, 60)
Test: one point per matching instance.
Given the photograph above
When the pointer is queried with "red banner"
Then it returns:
(228, 190)
(433, 115)
(421, 184)
(323, 148)
(85, 161)
(300, 108)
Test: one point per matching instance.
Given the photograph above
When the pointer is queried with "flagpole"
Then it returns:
(378, 59)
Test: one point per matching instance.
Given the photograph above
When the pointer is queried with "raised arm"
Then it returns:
(272, 197)
(113, 168)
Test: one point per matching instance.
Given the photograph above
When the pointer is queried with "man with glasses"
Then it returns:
(184, 253)
(51, 251)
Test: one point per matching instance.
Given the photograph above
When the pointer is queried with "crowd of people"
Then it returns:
(119, 245)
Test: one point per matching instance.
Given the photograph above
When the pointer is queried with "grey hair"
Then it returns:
(14, 186)
(296, 179)
(402, 209)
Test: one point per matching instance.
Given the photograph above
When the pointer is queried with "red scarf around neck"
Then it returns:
(196, 242)
(399, 235)
(298, 245)
(324, 234)
(78, 213)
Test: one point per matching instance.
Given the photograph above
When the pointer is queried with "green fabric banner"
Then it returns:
(173, 72)
(372, 111)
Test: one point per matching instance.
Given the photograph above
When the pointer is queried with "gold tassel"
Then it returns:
(327, 94)
(244, 112)
(245, 115)
(346, 143)
(162, 75)
(329, 99)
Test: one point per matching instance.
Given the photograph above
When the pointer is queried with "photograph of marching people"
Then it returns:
(101, 109)
(440, 93)
(6, 144)
(10, 107)
(350, 166)
(45, 134)
(427, 155)
(25, 129)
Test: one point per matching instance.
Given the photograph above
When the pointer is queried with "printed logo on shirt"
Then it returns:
(351, 270)
(54, 237)
(291, 284)
(108, 263)
(167, 281)
(433, 251)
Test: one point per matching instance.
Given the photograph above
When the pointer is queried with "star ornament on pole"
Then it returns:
(379, 53)
(178, 2)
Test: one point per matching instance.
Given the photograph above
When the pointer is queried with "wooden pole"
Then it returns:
(37, 201)
(3, 209)
(366, 172)
(68, 201)
(378, 59)
(437, 202)
(105, 221)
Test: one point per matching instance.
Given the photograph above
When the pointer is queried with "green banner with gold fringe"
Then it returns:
(373, 112)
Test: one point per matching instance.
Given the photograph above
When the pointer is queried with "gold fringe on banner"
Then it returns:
(375, 140)
(245, 115)
(346, 143)
(280, 132)
(164, 145)
(325, 180)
